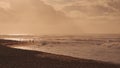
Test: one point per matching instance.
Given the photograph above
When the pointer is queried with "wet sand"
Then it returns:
(18, 58)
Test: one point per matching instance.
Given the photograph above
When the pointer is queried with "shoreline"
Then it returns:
(11, 58)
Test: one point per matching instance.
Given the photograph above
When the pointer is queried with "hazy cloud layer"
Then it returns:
(88, 7)
(59, 16)
(29, 11)
(33, 17)
(93, 16)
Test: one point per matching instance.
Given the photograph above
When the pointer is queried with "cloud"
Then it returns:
(93, 16)
(59, 16)
(5, 5)
(87, 7)
(34, 17)
(31, 11)
(94, 8)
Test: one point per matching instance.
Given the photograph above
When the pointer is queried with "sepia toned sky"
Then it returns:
(59, 17)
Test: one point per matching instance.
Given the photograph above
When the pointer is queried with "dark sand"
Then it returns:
(17, 58)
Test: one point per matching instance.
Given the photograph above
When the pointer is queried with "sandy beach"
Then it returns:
(18, 58)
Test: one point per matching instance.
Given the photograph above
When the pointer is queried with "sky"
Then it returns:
(59, 17)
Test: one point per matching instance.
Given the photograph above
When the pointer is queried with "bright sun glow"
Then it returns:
(18, 34)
